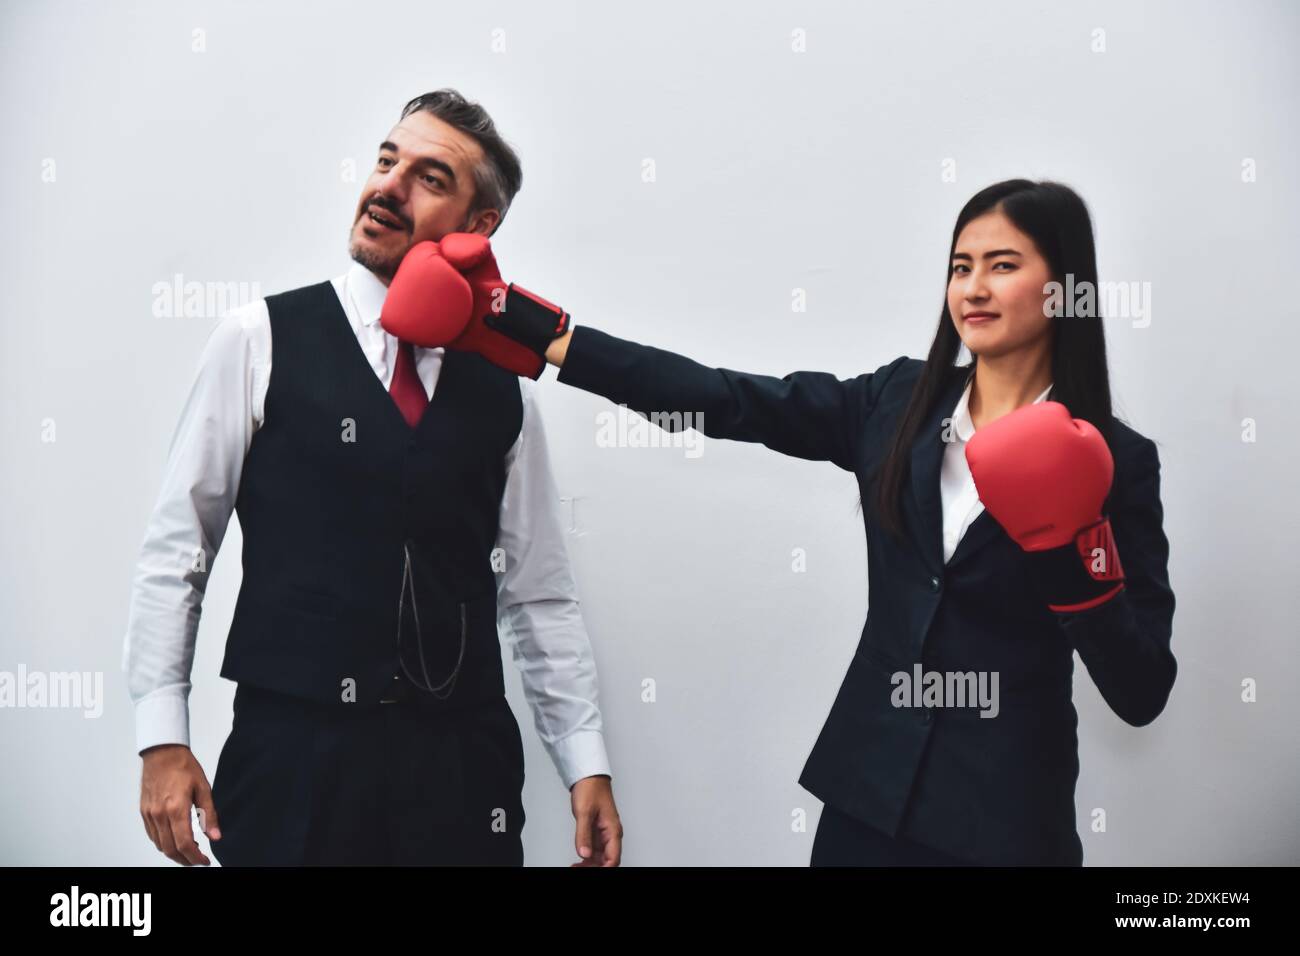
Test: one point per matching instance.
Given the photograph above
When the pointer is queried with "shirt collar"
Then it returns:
(961, 421)
(367, 293)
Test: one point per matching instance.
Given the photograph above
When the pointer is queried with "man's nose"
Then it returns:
(391, 189)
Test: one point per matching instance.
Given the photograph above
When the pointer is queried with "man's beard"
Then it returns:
(381, 264)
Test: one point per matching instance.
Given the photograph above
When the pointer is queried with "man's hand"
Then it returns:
(599, 834)
(171, 784)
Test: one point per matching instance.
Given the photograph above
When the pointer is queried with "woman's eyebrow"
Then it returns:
(988, 255)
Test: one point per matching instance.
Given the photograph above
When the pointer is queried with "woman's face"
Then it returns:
(995, 287)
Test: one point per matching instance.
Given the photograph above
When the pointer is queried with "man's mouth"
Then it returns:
(382, 219)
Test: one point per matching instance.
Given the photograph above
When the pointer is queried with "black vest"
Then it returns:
(346, 511)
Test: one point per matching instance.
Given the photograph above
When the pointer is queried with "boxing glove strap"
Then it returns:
(1080, 575)
(528, 319)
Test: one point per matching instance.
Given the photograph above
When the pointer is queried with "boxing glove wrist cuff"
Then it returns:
(1083, 574)
(528, 319)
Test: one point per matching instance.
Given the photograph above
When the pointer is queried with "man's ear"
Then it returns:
(483, 222)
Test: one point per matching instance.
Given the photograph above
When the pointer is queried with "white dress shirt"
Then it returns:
(537, 605)
(961, 503)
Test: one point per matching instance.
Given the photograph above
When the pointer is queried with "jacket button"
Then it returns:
(934, 585)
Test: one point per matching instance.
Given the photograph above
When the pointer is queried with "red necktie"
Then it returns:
(406, 388)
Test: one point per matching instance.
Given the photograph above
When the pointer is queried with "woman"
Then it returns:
(908, 777)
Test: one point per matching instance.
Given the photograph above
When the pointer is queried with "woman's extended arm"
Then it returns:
(558, 349)
(811, 415)
(450, 293)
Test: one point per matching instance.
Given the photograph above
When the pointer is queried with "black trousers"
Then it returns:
(300, 783)
(842, 840)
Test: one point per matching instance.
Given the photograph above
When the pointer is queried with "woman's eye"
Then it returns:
(1011, 265)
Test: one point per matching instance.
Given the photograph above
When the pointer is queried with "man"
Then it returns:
(386, 536)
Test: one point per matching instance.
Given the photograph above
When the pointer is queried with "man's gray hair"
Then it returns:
(498, 177)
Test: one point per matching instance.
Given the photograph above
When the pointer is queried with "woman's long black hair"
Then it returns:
(1057, 220)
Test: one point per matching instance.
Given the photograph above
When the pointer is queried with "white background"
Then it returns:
(775, 170)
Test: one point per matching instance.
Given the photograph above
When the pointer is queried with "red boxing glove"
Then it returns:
(1044, 476)
(429, 302)
(509, 326)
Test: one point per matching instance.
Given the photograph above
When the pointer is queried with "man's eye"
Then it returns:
(435, 180)
(384, 159)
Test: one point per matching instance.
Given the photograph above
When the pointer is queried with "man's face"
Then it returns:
(422, 187)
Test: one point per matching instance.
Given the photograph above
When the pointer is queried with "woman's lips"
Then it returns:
(976, 318)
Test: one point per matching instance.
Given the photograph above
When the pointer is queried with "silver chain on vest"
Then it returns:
(450, 682)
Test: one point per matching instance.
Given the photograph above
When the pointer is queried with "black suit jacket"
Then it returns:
(1000, 790)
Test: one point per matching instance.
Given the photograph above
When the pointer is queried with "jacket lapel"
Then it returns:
(927, 463)
(927, 459)
(981, 531)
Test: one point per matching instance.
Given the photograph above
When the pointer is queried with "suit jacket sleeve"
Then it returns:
(811, 415)
(1124, 643)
